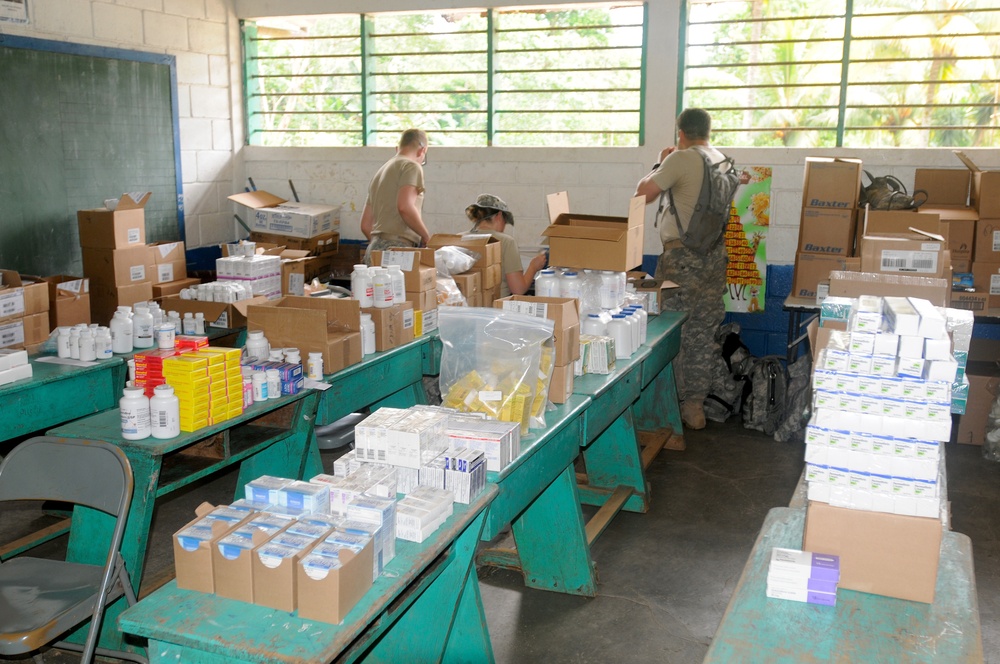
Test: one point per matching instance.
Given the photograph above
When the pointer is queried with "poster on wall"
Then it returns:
(746, 242)
(14, 11)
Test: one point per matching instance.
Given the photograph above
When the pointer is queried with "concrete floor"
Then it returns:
(665, 577)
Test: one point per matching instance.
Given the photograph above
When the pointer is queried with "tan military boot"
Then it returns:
(693, 414)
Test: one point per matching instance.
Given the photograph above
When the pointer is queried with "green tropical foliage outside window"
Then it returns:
(854, 73)
(568, 75)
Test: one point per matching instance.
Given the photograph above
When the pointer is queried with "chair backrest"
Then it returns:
(92, 473)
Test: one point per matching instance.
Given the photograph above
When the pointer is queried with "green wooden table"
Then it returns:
(274, 437)
(639, 394)
(862, 627)
(58, 393)
(393, 378)
(425, 607)
(540, 501)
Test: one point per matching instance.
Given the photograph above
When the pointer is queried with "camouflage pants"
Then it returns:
(382, 242)
(702, 281)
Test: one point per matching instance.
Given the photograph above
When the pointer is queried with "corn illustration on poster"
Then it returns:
(746, 242)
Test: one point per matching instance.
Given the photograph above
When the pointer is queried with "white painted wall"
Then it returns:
(204, 36)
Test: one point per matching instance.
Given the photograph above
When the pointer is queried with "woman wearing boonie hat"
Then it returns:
(490, 214)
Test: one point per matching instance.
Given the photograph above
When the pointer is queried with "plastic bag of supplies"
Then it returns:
(496, 362)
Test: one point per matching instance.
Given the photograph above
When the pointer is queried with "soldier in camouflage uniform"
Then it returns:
(702, 278)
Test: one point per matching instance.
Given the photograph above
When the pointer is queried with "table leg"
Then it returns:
(552, 541)
(614, 460)
(658, 406)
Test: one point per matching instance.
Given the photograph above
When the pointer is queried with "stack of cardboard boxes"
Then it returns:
(828, 222)
(24, 310)
(420, 282)
(481, 284)
(69, 301)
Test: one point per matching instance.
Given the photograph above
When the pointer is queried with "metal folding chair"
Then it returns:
(42, 600)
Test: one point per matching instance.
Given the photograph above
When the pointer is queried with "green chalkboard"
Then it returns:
(78, 125)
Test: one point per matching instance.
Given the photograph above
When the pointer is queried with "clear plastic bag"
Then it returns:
(454, 260)
(448, 294)
(496, 362)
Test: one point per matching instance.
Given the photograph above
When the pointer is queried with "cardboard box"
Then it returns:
(564, 312)
(234, 576)
(174, 287)
(484, 244)
(855, 284)
(418, 266)
(331, 598)
(423, 300)
(985, 194)
(893, 222)
(297, 268)
(827, 231)
(105, 298)
(119, 267)
(24, 332)
(987, 242)
(69, 300)
(978, 301)
(217, 314)
(958, 225)
(348, 255)
(561, 385)
(170, 262)
(906, 254)
(275, 586)
(984, 385)
(313, 325)
(22, 295)
(123, 227)
(810, 269)
(883, 554)
(470, 283)
(324, 243)
(657, 289)
(275, 215)
(594, 241)
(194, 568)
(986, 277)
(944, 186)
(394, 326)
(831, 182)
(491, 295)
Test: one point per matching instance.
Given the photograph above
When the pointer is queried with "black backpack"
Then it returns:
(711, 212)
(765, 407)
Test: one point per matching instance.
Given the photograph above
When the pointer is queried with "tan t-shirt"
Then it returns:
(383, 193)
(683, 172)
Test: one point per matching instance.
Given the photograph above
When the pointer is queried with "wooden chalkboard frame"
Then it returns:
(170, 61)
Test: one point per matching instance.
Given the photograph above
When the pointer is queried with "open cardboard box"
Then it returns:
(22, 295)
(944, 186)
(330, 599)
(313, 325)
(657, 290)
(123, 227)
(217, 314)
(193, 568)
(596, 242)
(324, 243)
(273, 214)
(985, 195)
(418, 266)
(564, 312)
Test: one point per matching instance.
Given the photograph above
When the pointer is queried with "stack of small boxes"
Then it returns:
(222, 399)
(149, 368)
(188, 375)
(261, 273)
(882, 406)
(14, 365)
(802, 576)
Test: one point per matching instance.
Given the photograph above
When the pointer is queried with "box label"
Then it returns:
(12, 303)
(536, 309)
(12, 334)
(996, 241)
(404, 259)
(137, 273)
(75, 286)
(164, 272)
(296, 283)
(407, 319)
(222, 320)
(133, 236)
(923, 262)
(995, 284)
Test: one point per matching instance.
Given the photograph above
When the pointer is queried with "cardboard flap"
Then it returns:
(134, 200)
(203, 509)
(964, 158)
(586, 229)
(257, 199)
(293, 254)
(932, 236)
(164, 248)
(10, 279)
(242, 305)
(558, 205)
(637, 211)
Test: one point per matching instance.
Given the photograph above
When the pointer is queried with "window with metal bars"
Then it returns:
(853, 73)
(569, 75)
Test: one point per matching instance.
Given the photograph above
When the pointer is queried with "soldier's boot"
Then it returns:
(693, 413)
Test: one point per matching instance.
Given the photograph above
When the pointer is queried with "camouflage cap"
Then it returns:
(486, 203)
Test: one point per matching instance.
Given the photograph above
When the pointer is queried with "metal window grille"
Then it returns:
(855, 73)
(571, 75)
